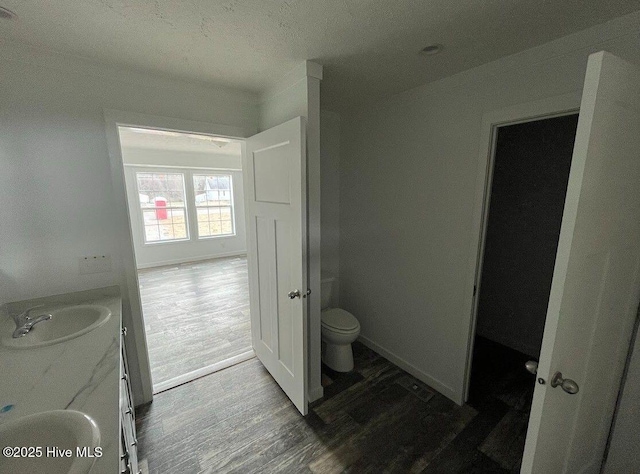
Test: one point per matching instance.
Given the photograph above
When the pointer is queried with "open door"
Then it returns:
(275, 179)
(595, 290)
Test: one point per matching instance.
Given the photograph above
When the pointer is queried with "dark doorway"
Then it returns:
(529, 183)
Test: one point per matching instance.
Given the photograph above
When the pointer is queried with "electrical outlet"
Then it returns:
(94, 264)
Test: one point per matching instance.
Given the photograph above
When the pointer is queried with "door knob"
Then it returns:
(531, 366)
(568, 385)
(294, 294)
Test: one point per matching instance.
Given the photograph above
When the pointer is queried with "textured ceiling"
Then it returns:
(369, 47)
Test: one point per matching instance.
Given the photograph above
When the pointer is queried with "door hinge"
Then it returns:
(475, 288)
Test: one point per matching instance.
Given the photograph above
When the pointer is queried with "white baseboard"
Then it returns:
(417, 373)
(196, 374)
(315, 393)
(189, 260)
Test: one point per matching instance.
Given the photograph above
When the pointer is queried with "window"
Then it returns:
(162, 201)
(214, 205)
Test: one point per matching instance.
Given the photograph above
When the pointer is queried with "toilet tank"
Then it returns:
(326, 287)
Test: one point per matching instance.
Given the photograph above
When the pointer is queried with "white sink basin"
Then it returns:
(66, 323)
(64, 429)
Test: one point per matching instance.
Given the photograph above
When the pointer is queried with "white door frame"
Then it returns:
(131, 306)
(558, 106)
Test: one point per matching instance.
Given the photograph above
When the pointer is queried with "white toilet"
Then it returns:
(339, 329)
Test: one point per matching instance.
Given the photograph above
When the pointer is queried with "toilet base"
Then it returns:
(338, 357)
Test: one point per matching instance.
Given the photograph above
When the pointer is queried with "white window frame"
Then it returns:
(231, 205)
(185, 208)
(137, 218)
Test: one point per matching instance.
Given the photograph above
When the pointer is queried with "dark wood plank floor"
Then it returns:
(375, 419)
(195, 314)
(499, 378)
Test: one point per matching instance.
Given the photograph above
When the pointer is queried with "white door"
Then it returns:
(595, 290)
(274, 170)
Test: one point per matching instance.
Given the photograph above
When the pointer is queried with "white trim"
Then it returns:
(134, 165)
(315, 393)
(314, 237)
(411, 369)
(188, 260)
(209, 369)
(526, 112)
(138, 120)
(137, 351)
(314, 70)
(303, 71)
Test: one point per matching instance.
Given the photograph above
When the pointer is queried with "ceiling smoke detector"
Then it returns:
(7, 14)
(431, 49)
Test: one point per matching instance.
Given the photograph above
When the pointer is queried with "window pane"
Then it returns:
(179, 223)
(198, 187)
(203, 214)
(214, 204)
(224, 187)
(225, 213)
(216, 227)
(149, 217)
(152, 233)
(227, 228)
(166, 232)
(160, 189)
(162, 200)
(203, 229)
(203, 221)
(224, 182)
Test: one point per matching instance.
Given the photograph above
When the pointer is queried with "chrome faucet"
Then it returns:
(24, 321)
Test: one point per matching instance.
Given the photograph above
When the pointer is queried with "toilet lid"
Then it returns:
(339, 319)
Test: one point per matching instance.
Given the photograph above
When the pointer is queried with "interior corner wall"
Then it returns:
(330, 199)
(408, 170)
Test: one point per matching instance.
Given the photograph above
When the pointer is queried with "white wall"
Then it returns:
(55, 179)
(298, 94)
(330, 198)
(186, 158)
(165, 253)
(405, 254)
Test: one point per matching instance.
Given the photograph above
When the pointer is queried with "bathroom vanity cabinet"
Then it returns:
(70, 368)
(128, 439)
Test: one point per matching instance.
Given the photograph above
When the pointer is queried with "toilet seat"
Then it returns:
(339, 320)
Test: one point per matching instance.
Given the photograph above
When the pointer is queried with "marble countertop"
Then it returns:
(80, 374)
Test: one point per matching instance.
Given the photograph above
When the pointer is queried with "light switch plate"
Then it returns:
(94, 264)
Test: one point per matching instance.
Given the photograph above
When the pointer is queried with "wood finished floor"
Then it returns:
(195, 314)
(376, 419)
(499, 378)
